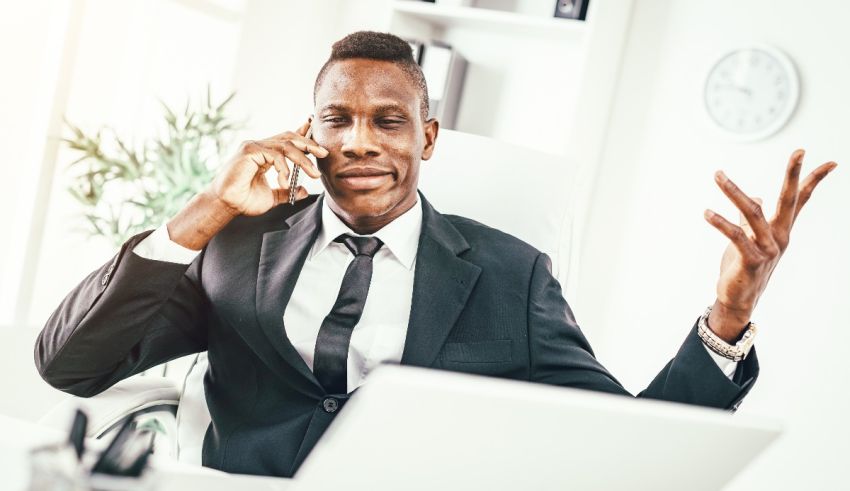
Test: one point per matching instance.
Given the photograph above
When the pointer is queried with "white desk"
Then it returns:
(18, 437)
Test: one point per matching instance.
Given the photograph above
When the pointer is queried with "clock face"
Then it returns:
(751, 93)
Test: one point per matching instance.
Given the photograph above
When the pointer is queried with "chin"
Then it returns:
(372, 204)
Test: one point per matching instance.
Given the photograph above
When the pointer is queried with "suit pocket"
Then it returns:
(496, 351)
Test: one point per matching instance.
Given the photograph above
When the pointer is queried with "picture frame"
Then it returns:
(571, 9)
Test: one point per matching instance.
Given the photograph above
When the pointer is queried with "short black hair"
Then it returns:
(378, 46)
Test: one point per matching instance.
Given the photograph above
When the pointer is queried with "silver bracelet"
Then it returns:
(736, 352)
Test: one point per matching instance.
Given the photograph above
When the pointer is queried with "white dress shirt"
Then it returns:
(379, 336)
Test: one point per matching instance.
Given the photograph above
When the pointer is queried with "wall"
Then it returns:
(280, 53)
(95, 62)
(27, 92)
(650, 260)
(130, 56)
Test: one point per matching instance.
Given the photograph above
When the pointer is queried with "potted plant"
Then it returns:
(127, 188)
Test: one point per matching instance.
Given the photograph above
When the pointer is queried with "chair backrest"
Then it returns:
(193, 414)
(523, 192)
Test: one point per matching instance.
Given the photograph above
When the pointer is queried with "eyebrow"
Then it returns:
(382, 108)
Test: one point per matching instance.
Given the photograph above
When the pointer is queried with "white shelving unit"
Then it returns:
(517, 24)
(532, 79)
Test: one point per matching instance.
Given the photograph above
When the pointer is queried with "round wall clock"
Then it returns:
(750, 93)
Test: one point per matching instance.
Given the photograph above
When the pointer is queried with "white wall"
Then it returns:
(27, 93)
(96, 62)
(131, 54)
(281, 51)
(650, 260)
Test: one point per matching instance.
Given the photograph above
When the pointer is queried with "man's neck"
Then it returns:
(368, 225)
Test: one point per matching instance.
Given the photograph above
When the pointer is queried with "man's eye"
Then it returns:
(335, 120)
(391, 121)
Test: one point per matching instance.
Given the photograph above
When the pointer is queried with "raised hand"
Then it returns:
(756, 245)
(241, 185)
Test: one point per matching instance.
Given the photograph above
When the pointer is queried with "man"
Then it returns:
(297, 304)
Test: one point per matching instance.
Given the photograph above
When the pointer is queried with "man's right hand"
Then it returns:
(241, 185)
(240, 188)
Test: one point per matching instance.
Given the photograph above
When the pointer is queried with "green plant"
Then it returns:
(126, 188)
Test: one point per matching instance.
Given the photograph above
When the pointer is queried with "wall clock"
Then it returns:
(750, 93)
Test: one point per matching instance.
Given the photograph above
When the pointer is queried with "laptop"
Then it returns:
(421, 429)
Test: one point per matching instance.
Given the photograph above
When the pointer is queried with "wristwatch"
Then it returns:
(734, 352)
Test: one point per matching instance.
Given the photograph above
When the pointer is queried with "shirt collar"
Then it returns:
(400, 237)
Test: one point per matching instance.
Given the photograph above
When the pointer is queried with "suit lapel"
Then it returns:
(441, 286)
(282, 257)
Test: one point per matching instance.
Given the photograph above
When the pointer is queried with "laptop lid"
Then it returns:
(421, 429)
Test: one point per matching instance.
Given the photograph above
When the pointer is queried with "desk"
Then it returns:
(18, 437)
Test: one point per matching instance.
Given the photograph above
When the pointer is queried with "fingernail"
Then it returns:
(720, 176)
(708, 214)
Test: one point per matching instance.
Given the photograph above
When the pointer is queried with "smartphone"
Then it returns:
(293, 181)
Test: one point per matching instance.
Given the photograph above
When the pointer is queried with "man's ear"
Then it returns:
(432, 127)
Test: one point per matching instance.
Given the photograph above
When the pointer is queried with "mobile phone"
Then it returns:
(293, 181)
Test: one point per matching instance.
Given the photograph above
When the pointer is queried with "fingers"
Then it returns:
(735, 233)
(304, 128)
(786, 206)
(751, 210)
(266, 155)
(261, 155)
(742, 221)
(308, 145)
(300, 139)
(290, 150)
(295, 154)
(810, 183)
(295, 146)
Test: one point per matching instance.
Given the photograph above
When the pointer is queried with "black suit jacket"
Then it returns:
(484, 302)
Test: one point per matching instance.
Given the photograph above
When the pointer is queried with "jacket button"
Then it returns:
(104, 280)
(330, 405)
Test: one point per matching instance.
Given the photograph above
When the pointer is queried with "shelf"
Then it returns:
(500, 22)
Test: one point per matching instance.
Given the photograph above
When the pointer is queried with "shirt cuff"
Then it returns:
(158, 246)
(726, 365)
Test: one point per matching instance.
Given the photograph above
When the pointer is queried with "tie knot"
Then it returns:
(360, 246)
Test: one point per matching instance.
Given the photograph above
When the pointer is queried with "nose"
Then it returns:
(359, 141)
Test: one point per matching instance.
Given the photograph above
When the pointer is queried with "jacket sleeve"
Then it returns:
(561, 355)
(128, 315)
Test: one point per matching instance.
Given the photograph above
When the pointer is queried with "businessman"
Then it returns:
(296, 304)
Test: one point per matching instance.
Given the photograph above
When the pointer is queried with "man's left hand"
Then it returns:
(756, 245)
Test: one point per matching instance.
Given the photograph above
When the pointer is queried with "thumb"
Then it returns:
(282, 194)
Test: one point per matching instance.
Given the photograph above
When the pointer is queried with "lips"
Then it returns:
(364, 178)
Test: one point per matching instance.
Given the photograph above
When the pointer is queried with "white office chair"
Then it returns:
(520, 191)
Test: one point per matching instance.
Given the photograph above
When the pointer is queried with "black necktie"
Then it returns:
(331, 355)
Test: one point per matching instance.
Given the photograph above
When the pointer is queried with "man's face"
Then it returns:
(367, 117)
